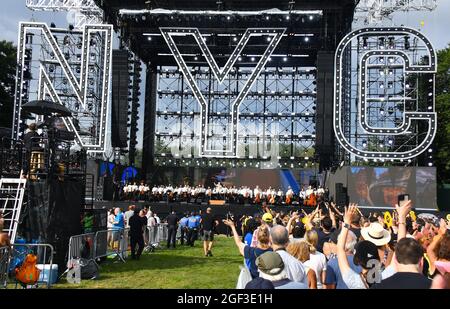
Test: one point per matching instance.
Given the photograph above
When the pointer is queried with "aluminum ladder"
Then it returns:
(12, 191)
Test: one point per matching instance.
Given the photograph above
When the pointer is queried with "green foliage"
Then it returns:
(442, 140)
(7, 82)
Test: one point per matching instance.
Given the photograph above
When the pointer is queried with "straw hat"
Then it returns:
(376, 234)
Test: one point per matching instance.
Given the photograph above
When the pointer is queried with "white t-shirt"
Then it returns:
(388, 271)
(317, 262)
(294, 268)
(353, 280)
(110, 223)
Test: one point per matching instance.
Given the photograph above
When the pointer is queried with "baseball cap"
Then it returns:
(270, 263)
(267, 217)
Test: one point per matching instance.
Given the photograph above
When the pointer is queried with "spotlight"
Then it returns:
(235, 39)
(149, 38)
(252, 59)
(228, 17)
(285, 59)
(311, 17)
(268, 39)
(195, 58)
(288, 17)
(240, 58)
(306, 39)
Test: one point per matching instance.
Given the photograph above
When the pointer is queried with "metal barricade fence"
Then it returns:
(4, 265)
(44, 254)
(156, 234)
(81, 246)
(163, 232)
(111, 242)
(151, 237)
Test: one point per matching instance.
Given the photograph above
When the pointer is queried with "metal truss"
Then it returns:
(380, 114)
(229, 146)
(375, 11)
(67, 67)
(85, 11)
(276, 118)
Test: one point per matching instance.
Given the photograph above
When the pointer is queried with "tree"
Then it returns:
(442, 139)
(7, 82)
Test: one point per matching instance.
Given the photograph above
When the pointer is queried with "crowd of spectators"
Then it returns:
(333, 249)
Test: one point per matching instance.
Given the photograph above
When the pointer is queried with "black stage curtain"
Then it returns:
(52, 214)
(65, 203)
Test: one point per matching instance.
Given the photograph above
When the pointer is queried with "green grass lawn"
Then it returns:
(183, 267)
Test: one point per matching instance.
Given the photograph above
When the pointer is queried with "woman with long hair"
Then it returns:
(251, 253)
(300, 250)
(317, 260)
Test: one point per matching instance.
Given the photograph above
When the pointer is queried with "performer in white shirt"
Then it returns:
(309, 191)
(289, 195)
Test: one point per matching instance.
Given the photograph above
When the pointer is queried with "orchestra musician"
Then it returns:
(310, 197)
(257, 195)
(289, 195)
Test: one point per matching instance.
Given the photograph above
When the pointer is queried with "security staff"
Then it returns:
(183, 228)
(193, 224)
(137, 224)
(172, 223)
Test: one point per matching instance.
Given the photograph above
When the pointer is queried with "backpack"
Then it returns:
(86, 251)
(89, 269)
(28, 273)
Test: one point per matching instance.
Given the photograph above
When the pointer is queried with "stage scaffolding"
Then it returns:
(279, 109)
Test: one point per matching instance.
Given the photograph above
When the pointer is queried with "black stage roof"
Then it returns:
(324, 22)
(244, 5)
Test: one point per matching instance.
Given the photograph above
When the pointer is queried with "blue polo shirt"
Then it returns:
(183, 222)
(193, 222)
(120, 221)
(333, 273)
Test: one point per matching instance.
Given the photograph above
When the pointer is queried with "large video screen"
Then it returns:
(380, 187)
(264, 178)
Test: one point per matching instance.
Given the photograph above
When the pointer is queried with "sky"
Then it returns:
(436, 26)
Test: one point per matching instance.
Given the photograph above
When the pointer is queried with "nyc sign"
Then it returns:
(76, 81)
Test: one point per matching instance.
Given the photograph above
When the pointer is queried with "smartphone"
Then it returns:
(402, 199)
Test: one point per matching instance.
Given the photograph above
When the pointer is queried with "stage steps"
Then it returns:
(12, 191)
